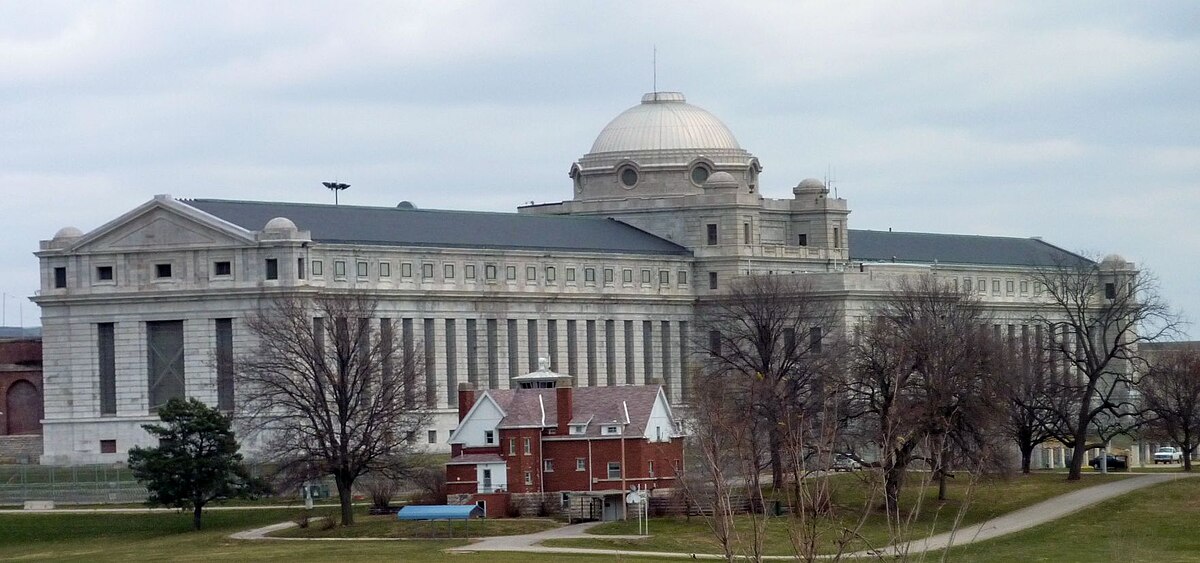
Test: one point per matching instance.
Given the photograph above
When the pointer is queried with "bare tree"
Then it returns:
(1027, 395)
(329, 390)
(1171, 394)
(776, 331)
(1095, 315)
(718, 428)
(920, 385)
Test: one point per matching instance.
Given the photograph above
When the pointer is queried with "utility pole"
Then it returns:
(335, 187)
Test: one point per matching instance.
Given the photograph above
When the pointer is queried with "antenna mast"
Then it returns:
(335, 187)
(654, 64)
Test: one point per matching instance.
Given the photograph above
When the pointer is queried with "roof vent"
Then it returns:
(408, 205)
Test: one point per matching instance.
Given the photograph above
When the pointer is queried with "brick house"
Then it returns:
(547, 443)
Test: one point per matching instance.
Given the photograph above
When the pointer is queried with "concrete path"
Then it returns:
(1015, 521)
(1029, 516)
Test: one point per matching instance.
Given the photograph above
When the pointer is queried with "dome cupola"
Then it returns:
(663, 146)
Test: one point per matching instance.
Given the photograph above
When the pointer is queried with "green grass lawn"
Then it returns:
(168, 537)
(989, 498)
(1159, 523)
(389, 527)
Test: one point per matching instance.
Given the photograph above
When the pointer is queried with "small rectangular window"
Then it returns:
(272, 268)
(548, 466)
(469, 271)
(981, 285)
(426, 271)
(1110, 291)
(967, 285)
(550, 274)
(104, 273)
(627, 276)
(1024, 287)
(996, 287)
(512, 446)
(714, 342)
(489, 272)
(528, 447)
(530, 273)
(489, 437)
(1008, 287)
(448, 271)
(318, 268)
(339, 268)
(608, 275)
(814, 339)
(510, 273)
(803, 239)
(837, 237)
(108, 446)
(712, 234)
(385, 269)
(1037, 288)
(406, 270)
(161, 271)
(580, 464)
(60, 277)
(614, 470)
(745, 233)
(650, 469)
(300, 268)
(528, 478)
(570, 274)
(589, 275)
(222, 268)
(664, 277)
(712, 280)
(431, 436)
(682, 277)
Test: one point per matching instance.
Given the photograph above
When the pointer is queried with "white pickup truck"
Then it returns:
(1167, 454)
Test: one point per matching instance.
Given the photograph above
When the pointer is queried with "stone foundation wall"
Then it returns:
(20, 449)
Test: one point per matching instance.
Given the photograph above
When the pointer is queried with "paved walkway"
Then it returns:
(18, 510)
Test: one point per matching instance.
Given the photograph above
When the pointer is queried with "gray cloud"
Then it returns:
(1073, 121)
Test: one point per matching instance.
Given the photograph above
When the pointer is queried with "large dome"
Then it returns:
(664, 121)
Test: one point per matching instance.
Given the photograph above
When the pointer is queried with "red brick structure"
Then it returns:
(21, 386)
(550, 444)
(20, 400)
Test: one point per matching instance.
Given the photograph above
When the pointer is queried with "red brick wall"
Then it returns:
(27, 352)
(20, 360)
(519, 462)
(638, 452)
(497, 504)
(460, 479)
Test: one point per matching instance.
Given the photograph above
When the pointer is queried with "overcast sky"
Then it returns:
(1077, 122)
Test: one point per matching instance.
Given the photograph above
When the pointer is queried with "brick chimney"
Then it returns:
(466, 399)
(564, 404)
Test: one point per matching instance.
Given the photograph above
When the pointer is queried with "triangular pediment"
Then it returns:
(159, 226)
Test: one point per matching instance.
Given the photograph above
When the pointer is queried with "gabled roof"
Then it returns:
(888, 246)
(600, 405)
(392, 226)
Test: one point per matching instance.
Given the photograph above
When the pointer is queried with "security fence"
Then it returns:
(81, 484)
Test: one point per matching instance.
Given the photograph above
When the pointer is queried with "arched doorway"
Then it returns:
(23, 408)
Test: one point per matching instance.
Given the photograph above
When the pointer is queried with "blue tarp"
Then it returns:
(440, 512)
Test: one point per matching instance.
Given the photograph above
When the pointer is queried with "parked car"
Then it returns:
(844, 463)
(1167, 454)
(1114, 463)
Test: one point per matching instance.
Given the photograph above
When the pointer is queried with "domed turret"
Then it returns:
(68, 233)
(280, 224)
(663, 146)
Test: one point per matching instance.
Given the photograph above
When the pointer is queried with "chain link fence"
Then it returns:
(81, 484)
